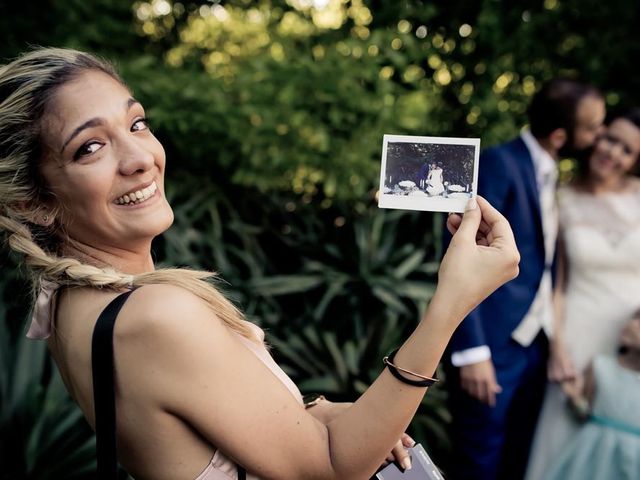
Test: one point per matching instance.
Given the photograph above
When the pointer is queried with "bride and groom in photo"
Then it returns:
(435, 174)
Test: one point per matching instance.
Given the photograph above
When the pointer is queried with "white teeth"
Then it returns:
(138, 196)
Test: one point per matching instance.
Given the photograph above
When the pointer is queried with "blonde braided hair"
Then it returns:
(26, 86)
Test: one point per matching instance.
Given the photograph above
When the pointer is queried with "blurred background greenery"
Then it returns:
(272, 114)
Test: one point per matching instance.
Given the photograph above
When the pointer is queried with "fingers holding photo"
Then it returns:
(492, 226)
(482, 235)
(482, 243)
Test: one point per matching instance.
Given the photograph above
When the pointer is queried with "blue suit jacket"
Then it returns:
(507, 180)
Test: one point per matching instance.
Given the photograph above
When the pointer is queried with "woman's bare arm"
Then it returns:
(560, 366)
(199, 371)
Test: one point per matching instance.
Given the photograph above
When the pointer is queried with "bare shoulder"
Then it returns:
(162, 337)
(163, 312)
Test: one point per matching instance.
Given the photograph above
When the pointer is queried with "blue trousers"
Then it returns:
(493, 442)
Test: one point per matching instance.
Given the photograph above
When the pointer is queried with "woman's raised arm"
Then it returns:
(200, 372)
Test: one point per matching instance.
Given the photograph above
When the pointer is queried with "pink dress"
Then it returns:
(220, 467)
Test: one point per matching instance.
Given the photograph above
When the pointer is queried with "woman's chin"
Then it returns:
(165, 223)
(606, 175)
(169, 222)
(158, 224)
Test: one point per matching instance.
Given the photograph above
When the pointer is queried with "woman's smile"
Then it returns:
(138, 196)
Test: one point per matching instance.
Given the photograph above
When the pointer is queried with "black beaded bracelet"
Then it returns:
(395, 371)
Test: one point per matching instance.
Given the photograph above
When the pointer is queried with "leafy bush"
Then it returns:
(43, 435)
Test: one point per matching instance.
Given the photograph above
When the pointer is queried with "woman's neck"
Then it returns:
(121, 260)
(599, 186)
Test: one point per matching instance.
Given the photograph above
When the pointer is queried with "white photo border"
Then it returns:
(431, 204)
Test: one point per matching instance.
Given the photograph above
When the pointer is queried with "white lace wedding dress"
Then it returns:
(435, 185)
(602, 240)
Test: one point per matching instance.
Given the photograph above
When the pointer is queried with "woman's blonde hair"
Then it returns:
(27, 86)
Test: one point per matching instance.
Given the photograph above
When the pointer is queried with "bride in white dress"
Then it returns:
(598, 286)
(435, 183)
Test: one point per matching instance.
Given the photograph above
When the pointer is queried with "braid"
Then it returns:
(71, 272)
(64, 270)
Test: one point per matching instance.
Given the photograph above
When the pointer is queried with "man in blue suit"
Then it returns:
(497, 363)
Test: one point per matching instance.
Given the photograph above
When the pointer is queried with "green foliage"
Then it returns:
(281, 96)
(43, 435)
(272, 114)
(297, 99)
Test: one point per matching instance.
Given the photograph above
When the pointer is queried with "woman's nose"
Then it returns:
(134, 156)
(616, 149)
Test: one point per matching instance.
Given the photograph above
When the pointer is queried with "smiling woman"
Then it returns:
(195, 392)
(99, 171)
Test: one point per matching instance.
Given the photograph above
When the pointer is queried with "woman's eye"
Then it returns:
(140, 124)
(87, 149)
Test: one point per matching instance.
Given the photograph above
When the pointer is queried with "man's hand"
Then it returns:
(479, 381)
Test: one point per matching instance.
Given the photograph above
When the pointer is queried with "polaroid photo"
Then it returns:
(437, 174)
(422, 468)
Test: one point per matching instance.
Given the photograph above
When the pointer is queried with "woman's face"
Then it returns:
(103, 165)
(616, 152)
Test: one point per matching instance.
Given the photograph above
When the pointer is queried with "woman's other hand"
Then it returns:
(326, 410)
(574, 390)
(399, 452)
(481, 257)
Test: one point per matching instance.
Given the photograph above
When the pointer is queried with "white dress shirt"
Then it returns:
(540, 313)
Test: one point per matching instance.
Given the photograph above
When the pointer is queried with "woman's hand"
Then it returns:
(560, 367)
(481, 257)
(574, 390)
(399, 452)
(326, 411)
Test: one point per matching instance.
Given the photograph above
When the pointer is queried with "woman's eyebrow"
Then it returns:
(94, 122)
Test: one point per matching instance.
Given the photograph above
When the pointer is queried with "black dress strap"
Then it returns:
(104, 395)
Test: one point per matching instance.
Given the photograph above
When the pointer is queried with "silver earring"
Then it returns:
(45, 217)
